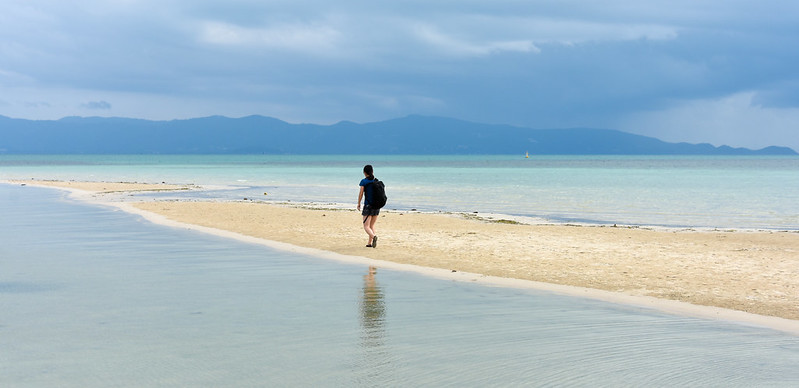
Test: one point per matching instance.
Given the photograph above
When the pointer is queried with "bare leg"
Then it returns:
(367, 226)
(372, 223)
(374, 232)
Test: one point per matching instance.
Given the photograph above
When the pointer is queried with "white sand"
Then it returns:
(747, 277)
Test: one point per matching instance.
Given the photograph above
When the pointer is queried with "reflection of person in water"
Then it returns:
(373, 309)
(377, 363)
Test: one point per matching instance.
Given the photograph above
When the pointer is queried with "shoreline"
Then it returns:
(98, 187)
(177, 213)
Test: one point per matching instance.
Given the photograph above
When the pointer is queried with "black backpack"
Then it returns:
(379, 198)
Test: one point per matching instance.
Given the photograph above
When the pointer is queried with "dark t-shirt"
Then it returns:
(367, 191)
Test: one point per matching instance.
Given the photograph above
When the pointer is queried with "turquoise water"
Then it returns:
(94, 297)
(672, 191)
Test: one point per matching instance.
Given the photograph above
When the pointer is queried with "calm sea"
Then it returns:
(671, 191)
(94, 297)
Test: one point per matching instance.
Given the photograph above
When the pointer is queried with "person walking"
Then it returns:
(369, 213)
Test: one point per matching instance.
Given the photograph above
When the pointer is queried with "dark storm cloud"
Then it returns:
(535, 63)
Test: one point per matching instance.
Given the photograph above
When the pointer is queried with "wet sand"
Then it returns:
(105, 187)
(753, 272)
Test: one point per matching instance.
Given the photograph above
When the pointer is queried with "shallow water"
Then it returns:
(91, 296)
(672, 191)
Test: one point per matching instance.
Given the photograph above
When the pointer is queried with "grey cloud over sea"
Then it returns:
(613, 64)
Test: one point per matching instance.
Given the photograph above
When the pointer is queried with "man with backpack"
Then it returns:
(375, 198)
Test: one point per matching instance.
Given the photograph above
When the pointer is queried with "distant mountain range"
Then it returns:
(259, 134)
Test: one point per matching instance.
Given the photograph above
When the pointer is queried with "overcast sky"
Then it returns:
(717, 71)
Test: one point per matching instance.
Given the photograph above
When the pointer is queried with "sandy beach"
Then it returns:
(753, 272)
(106, 187)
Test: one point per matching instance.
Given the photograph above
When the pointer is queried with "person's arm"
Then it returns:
(360, 196)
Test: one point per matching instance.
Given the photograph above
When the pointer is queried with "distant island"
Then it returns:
(266, 135)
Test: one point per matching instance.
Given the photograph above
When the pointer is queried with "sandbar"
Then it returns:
(105, 187)
(746, 271)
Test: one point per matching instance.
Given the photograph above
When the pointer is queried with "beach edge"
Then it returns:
(668, 306)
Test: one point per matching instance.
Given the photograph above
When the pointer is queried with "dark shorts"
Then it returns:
(370, 211)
